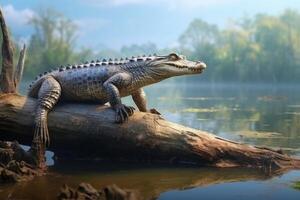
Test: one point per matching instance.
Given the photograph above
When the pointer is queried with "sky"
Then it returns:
(115, 23)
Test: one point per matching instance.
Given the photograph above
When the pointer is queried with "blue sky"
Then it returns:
(114, 23)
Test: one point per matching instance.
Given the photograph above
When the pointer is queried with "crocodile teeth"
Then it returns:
(194, 69)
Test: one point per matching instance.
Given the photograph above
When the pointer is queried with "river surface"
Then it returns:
(267, 115)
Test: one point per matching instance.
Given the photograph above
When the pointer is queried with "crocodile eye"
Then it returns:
(173, 57)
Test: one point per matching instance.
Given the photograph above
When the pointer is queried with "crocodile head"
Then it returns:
(174, 65)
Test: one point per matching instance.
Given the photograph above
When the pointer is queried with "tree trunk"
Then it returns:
(7, 74)
(90, 131)
(20, 67)
(10, 77)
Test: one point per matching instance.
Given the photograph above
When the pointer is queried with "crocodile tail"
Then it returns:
(35, 87)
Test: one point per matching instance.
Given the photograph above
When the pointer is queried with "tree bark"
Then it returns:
(89, 131)
(20, 67)
(7, 73)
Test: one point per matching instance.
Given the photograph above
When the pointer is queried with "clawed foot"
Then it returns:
(41, 133)
(154, 111)
(123, 112)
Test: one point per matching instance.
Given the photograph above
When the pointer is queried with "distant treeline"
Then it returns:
(261, 48)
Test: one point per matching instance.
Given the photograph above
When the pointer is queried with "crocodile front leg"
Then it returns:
(112, 86)
(139, 98)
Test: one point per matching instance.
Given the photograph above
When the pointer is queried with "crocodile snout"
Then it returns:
(201, 65)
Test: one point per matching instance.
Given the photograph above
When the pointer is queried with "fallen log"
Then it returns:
(86, 130)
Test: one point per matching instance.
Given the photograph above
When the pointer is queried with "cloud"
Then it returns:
(88, 25)
(171, 4)
(17, 17)
(87, 28)
(114, 2)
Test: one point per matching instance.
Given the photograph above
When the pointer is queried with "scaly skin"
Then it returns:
(104, 82)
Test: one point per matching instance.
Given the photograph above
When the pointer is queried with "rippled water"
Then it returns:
(261, 115)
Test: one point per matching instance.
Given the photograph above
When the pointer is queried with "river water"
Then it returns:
(267, 115)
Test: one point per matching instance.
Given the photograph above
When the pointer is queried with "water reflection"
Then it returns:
(147, 180)
(272, 189)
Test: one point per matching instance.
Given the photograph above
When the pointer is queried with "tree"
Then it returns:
(52, 43)
(200, 41)
(135, 50)
(260, 49)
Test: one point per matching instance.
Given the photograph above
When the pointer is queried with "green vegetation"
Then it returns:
(52, 43)
(262, 48)
(296, 185)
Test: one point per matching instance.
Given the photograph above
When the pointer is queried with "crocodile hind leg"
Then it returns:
(48, 96)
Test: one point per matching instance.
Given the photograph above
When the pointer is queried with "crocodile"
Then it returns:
(105, 81)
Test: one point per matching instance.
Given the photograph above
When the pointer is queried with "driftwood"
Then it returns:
(20, 67)
(10, 77)
(90, 131)
(7, 74)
